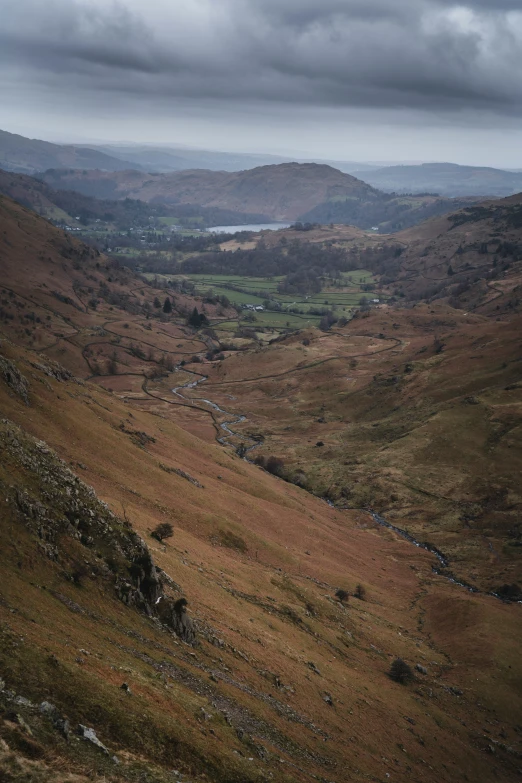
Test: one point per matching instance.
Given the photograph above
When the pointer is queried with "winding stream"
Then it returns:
(224, 425)
(441, 570)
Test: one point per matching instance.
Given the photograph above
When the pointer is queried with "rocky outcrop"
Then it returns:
(60, 507)
(174, 615)
(14, 380)
(54, 370)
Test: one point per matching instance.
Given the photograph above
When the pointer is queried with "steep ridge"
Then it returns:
(284, 681)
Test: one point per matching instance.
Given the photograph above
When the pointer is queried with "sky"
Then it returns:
(356, 80)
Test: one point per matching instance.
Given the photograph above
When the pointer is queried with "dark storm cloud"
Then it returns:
(433, 55)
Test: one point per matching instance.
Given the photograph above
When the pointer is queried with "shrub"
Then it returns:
(360, 592)
(400, 671)
(342, 595)
(79, 573)
(275, 465)
(162, 531)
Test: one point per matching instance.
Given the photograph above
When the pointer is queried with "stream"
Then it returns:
(224, 425)
(442, 569)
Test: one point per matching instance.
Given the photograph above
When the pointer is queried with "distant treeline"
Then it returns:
(303, 265)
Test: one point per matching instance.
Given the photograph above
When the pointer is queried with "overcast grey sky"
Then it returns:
(350, 79)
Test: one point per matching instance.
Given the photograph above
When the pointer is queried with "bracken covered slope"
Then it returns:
(282, 681)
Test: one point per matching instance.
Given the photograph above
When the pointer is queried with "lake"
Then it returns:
(249, 227)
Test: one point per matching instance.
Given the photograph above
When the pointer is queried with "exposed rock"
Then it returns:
(54, 370)
(181, 473)
(15, 717)
(60, 723)
(23, 702)
(90, 736)
(174, 615)
(60, 504)
(420, 668)
(14, 379)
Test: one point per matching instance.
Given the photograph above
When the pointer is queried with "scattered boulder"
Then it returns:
(60, 723)
(420, 668)
(90, 736)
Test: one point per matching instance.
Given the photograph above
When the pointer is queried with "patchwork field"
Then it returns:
(296, 310)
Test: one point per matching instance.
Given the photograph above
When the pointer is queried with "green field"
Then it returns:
(256, 290)
(270, 319)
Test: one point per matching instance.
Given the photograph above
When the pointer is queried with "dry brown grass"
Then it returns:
(270, 602)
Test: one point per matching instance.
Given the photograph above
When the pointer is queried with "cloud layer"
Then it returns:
(429, 55)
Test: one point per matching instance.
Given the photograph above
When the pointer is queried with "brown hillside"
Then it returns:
(285, 682)
(473, 257)
(282, 192)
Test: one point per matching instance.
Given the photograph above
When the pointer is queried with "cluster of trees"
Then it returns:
(197, 319)
(304, 226)
(303, 264)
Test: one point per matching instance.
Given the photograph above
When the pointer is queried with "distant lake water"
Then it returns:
(249, 227)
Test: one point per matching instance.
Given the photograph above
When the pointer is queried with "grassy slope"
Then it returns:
(431, 439)
(259, 561)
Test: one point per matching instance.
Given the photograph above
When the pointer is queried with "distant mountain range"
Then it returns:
(309, 192)
(446, 179)
(27, 156)
(282, 192)
(165, 159)
(30, 156)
